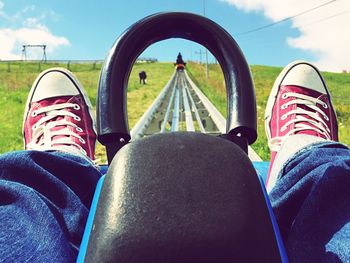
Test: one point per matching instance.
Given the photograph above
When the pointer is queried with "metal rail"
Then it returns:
(138, 130)
(166, 117)
(187, 108)
(188, 114)
(215, 115)
(195, 110)
(176, 115)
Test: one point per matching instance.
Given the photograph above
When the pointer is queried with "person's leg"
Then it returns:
(309, 177)
(46, 191)
(44, 202)
(311, 202)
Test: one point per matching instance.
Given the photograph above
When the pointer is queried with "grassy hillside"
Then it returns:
(264, 77)
(17, 78)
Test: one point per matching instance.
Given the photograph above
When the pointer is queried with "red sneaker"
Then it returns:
(58, 115)
(299, 103)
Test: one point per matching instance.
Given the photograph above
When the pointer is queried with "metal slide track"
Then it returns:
(181, 106)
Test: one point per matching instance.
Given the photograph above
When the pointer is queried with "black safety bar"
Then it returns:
(112, 120)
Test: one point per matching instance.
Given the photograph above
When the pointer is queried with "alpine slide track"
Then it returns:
(182, 106)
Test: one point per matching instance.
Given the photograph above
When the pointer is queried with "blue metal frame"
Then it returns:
(262, 166)
(262, 169)
(90, 220)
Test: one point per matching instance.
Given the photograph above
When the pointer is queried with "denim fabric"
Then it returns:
(45, 197)
(290, 146)
(44, 202)
(311, 203)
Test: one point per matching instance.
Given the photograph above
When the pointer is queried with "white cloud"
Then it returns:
(12, 40)
(24, 27)
(323, 31)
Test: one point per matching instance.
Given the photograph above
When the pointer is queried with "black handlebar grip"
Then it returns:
(112, 120)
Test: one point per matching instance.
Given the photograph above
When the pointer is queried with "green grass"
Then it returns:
(140, 97)
(264, 77)
(16, 80)
(214, 87)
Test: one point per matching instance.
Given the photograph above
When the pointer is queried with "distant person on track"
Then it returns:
(180, 64)
(142, 77)
(179, 59)
(46, 190)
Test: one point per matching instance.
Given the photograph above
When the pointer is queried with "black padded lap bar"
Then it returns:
(111, 109)
(182, 197)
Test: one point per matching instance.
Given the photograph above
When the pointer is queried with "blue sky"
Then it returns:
(87, 29)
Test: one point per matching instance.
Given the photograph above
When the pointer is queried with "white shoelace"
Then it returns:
(42, 130)
(314, 121)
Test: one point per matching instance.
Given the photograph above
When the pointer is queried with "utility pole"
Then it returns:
(206, 50)
(200, 52)
(203, 7)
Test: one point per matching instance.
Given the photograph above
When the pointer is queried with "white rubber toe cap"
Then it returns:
(304, 75)
(54, 83)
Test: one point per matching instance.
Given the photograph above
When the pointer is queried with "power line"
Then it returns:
(268, 42)
(326, 18)
(284, 19)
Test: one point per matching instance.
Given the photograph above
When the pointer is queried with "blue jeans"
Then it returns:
(311, 203)
(45, 197)
(44, 204)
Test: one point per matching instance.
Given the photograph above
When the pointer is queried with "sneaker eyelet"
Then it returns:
(34, 127)
(326, 118)
(283, 129)
(76, 107)
(78, 129)
(77, 118)
(284, 106)
(284, 96)
(34, 113)
(325, 105)
(82, 140)
(283, 117)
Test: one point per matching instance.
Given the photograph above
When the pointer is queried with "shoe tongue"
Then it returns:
(305, 91)
(55, 100)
